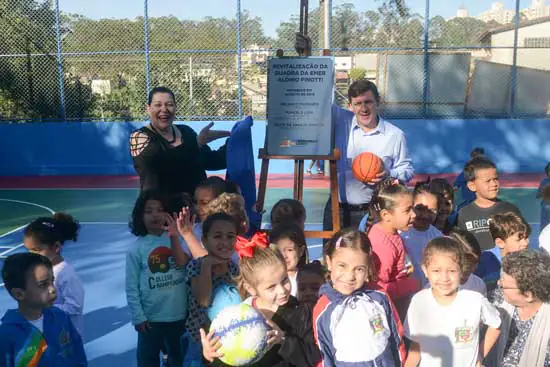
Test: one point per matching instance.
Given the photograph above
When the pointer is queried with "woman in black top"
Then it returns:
(173, 158)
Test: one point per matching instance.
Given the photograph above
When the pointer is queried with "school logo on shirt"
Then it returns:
(32, 351)
(376, 324)
(160, 260)
(464, 334)
(64, 338)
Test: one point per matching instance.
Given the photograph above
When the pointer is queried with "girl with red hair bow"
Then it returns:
(263, 278)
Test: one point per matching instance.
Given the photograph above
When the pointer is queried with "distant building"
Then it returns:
(101, 87)
(255, 55)
(368, 62)
(497, 13)
(538, 9)
(462, 12)
(534, 34)
(343, 63)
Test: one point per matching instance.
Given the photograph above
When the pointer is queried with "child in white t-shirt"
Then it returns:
(426, 204)
(443, 322)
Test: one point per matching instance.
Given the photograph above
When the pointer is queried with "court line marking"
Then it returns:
(13, 231)
(4, 253)
(29, 203)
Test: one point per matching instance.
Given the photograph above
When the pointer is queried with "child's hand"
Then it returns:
(170, 225)
(275, 335)
(210, 346)
(143, 327)
(185, 221)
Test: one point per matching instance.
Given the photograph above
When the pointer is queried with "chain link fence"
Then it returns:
(59, 66)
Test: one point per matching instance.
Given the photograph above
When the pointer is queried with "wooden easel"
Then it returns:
(298, 190)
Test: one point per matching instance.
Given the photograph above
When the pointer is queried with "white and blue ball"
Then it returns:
(243, 334)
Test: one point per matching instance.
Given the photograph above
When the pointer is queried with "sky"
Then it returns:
(271, 11)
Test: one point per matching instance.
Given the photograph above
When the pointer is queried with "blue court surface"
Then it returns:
(99, 254)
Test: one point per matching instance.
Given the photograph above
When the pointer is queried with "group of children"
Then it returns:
(409, 289)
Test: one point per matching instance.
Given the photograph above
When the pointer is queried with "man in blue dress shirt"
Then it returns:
(362, 129)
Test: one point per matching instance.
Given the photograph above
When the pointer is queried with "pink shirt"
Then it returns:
(391, 261)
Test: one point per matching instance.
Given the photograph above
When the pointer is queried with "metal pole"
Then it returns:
(329, 12)
(426, 85)
(239, 76)
(146, 34)
(514, 85)
(326, 28)
(304, 8)
(190, 86)
(60, 60)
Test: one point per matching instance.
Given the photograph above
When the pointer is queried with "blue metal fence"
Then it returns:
(81, 97)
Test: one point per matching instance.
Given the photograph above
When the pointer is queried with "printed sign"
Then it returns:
(299, 106)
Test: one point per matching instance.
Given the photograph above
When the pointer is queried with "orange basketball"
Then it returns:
(366, 166)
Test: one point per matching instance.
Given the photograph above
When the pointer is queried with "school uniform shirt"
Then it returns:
(56, 344)
(70, 294)
(155, 285)
(298, 348)
(449, 335)
(361, 329)
(488, 269)
(475, 220)
(415, 242)
(393, 264)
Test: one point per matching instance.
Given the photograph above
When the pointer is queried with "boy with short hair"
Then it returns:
(461, 184)
(482, 177)
(510, 233)
(36, 334)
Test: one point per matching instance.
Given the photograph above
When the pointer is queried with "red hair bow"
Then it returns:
(245, 247)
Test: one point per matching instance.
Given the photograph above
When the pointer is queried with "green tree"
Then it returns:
(463, 32)
(346, 26)
(28, 84)
(357, 73)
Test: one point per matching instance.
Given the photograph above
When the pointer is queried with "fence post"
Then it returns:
(329, 46)
(146, 34)
(239, 72)
(60, 60)
(426, 84)
(513, 81)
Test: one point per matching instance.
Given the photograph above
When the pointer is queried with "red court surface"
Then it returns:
(274, 181)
